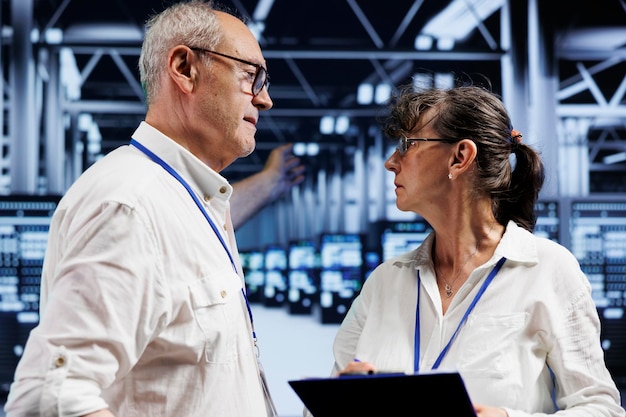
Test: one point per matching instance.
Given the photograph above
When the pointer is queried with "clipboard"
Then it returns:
(386, 394)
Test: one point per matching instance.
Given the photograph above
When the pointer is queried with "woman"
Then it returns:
(530, 342)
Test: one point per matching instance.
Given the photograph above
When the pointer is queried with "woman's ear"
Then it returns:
(465, 153)
(181, 66)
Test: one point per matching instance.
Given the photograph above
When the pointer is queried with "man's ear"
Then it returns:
(181, 63)
(465, 153)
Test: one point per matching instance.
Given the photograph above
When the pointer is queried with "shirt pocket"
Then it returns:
(490, 345)
(218, 312)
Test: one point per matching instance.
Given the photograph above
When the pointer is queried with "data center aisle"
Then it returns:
(292, 347)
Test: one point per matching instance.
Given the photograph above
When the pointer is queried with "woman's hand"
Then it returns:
(486, 411)
(358, 367)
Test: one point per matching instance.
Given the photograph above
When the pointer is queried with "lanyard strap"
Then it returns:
(193, 195)
(416, 357)
(196, 200)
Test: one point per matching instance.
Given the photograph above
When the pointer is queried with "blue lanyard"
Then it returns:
(416, 357)
(195, 198)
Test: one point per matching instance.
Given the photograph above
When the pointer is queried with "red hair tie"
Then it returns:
(516, 136)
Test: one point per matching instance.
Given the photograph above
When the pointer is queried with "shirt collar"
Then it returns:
(200, 177)
(518, 245)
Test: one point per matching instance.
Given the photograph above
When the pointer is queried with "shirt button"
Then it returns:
(223, 189)
(223, 293)
(207, 198)
(59, 362)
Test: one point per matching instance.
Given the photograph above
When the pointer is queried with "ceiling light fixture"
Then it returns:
(456, 22)
(327, 125)
(615, 158)
(383, 92)
(365, 93)
(342, 124)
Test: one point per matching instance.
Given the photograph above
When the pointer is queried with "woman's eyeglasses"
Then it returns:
(261, 77)
(404, 143)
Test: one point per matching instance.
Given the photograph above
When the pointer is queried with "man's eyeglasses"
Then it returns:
(261, 77)
(404, 142)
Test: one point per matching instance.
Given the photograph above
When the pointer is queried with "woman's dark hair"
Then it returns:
(473, 112)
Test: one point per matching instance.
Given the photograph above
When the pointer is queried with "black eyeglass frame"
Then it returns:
(261, 71)
(404, 142)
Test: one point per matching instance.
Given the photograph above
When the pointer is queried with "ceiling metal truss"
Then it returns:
(318, 54)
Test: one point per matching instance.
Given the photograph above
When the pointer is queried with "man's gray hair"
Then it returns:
(192, 23)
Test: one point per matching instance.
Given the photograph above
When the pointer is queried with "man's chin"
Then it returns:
(247, 151)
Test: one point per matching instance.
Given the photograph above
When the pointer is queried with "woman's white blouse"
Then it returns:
(536, 321)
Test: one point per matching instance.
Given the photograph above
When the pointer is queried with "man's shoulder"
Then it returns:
(124, 175)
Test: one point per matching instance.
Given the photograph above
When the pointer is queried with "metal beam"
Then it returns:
(24, 154)
(366, 24)
(348, 54)
(131, 107)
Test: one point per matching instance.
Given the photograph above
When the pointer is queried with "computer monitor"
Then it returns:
(275, 287)
(303, 283)
(341, 250)
(398, 237)
(253, 264)
(302, 254)
(548, 220)
(24, 226)
(342, 273)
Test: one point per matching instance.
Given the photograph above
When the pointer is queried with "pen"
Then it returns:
(370, 372)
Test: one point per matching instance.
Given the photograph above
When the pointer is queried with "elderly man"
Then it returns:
(143, 307)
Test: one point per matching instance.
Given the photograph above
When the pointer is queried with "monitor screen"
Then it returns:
(547, 220)
(598, 240)
(252, 263)
(341, 250)
(338, 287)
(302, 255)
(345, 282)
(252, 260)
(401, 237)
(275, 258)
(24, 225)
(302, 276)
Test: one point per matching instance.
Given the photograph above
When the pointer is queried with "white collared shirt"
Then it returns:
(141, 309)
(537, 315)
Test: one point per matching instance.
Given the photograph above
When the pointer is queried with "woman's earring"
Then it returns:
(449, 175)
